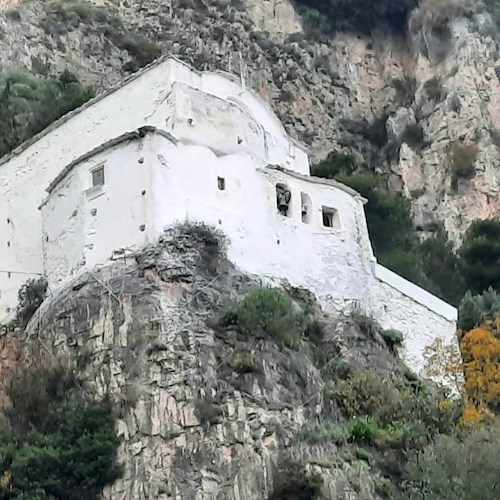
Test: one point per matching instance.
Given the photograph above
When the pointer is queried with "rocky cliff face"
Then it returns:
(192, 425)
(433, 92)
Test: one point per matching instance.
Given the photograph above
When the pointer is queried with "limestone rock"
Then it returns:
(191, 426)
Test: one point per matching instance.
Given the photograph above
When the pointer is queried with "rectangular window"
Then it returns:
(221, 183)
(331, 218)
(98, 176)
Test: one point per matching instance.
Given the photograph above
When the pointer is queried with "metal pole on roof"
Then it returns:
(242, 71)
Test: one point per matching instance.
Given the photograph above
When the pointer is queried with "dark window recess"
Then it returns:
(305, 208)
(221, 183)
(98, 177)
(331, 218)
(283, 199)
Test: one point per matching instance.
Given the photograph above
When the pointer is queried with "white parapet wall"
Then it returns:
(422, 317)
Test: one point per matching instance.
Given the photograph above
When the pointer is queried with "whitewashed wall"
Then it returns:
(180, 182)
(84, 226)
(148, 98)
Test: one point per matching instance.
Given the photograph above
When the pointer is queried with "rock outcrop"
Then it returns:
(192, 425)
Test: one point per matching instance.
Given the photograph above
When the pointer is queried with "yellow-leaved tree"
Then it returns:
(481, 363)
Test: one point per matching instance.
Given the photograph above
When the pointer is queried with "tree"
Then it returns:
(480, 252)
(443, 362)
(54, 442)
(29, 103)
(481, 357)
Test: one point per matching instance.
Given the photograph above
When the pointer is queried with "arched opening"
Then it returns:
(305, 208)
(283, 200)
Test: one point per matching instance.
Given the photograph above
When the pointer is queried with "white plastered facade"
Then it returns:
(177, 145)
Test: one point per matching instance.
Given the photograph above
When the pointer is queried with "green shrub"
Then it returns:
(480, 253)
(314, 331)
(326, 432)
(413, 135)
(28, 104)
(364, 454)
(456, 467)
(12, 14)
(292, 481)
(243, 362)
(434, 89)
(58, 443)
(406, 263)
(474, 310)
(364, 429)
(208, 410)
(387, 214)
(394, 403)
(334, 164)
(270, 311)
(393, 339)
(442, 266)
(314, 20)
(462, 158)
(30, 297)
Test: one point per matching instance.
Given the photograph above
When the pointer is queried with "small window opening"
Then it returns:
(98, 177)
(221, 183)
(331, 218)
(305, 208)
(283, 199)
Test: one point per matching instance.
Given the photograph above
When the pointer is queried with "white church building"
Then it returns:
(172, 144)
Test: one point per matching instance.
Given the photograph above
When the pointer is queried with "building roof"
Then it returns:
(54, 125)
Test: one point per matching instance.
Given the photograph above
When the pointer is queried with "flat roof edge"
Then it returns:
(318, 180)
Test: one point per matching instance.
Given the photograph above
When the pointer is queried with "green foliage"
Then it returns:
(364, 429)
(55, 442)
(208, 410)
(326, 432)
(30, 297)
(393, 339)
(314, 331)
(28, 104)
(271, 311)
(13, 14)
(413, 135)
(475, 310)
(243, 362)
(434, 89)
(294, 482)
(355, 15)
(442, 267)
(456, 468)
(334, 164)
(462, 159)
(480, 252)
(364, 454)
(392, 402)
(388, 214)
(376, 131)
